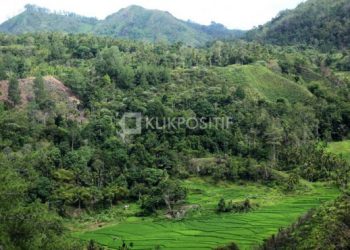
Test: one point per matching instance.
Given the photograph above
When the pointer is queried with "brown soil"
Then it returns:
(55, 88)
(57, 91)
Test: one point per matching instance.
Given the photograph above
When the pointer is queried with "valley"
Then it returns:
(205, 228)
(82, 169)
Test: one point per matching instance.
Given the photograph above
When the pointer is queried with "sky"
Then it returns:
(240, 14)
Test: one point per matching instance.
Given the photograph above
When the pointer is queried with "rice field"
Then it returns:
(207, 229)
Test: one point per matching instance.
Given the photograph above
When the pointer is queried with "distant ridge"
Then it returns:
(320, 23)
(133, 22)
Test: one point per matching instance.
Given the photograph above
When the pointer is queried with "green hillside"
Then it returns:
(321, 23)
(36, 19)
(341, 148)
(324, 228)
(265, 83)
(133, 22)
(258, 82)
(138, 23)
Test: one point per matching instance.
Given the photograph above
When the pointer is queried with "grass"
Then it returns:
(340, 148)
(268, 84)
(258, 81)
(205, 228)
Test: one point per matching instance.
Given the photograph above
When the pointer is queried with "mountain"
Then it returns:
(37, 19)
(321, 23)
(133, 22)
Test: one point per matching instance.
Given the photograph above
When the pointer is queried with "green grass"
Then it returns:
(258, 81)
(340, 148)
(344, 75)
(206, 229)
(268, 84)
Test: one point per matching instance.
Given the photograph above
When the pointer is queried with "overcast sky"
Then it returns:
(242, 14)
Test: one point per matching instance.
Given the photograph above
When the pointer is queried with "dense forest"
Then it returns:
(63, 97)
(320, 23)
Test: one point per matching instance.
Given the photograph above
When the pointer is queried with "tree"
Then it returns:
(26, 225)
(221, 205)
(14, 93)
(240, 93)
(111, 62)
(39, 90)
(292, 182)
(273, 136)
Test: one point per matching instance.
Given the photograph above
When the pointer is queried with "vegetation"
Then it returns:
(325, 228)
(133, 22)
(14, 93)
(238, 207)
(204, 228)
(278, 116)
(66, 160)
(341, 148)
(320, 23)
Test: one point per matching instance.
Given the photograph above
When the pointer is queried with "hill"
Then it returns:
(266, 83)
(324, 228)
(56, 89)
(321, 23)
(37, 19)
(133, 22)
(58, 94)
(258, 82)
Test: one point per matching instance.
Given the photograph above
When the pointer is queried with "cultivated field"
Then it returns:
(205, 229)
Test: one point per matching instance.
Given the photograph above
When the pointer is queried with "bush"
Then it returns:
(236, 207)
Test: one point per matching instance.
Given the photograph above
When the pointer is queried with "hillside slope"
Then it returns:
(133, 22)
(59, 96)
(322, 23)
(328, 227)
(56, 89)
(36, 19)
(258, 82)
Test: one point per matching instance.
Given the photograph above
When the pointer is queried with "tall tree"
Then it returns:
(39, 89)
(14, 93)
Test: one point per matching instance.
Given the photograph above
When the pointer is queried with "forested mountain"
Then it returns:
(36, 19)
(321, 23)
(133, 22)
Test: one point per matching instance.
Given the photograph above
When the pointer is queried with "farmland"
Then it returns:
(205, 229)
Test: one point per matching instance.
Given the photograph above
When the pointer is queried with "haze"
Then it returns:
(233, 14)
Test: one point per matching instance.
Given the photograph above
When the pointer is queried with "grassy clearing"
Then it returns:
(345, 75)
(206, 229)
(258, 81)
(266, 83)
(340, 148)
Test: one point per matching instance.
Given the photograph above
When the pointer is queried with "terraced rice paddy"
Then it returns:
(206, 229)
